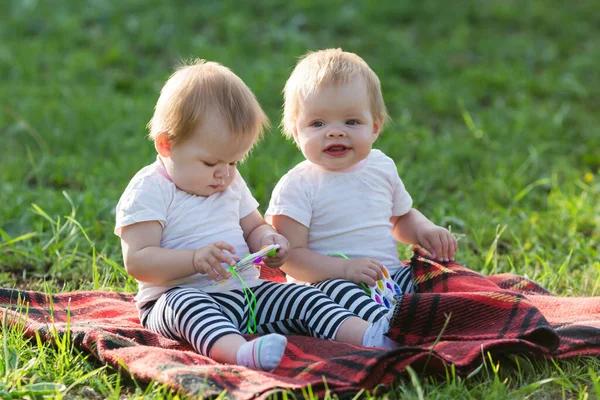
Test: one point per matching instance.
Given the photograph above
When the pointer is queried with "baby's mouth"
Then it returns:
(336, 150)
(217, 186)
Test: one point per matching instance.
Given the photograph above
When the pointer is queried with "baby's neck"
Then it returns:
(160, 167)
(351, 168)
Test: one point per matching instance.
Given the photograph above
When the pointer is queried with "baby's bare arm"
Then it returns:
(304, 264)
(405, 227)
(415, 228)
(146, 261)
(258, 234)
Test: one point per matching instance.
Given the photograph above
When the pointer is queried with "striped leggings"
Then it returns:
(200, 319)
(353, 297)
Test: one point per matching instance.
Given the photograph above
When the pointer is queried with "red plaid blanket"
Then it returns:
(456, 317)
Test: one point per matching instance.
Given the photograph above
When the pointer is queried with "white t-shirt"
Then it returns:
(346, 211)
(189, 222)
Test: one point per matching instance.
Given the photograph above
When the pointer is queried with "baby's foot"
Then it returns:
(263, 353)
(375, 334)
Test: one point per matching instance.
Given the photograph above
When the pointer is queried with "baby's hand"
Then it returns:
(208, 259)
(438, 241)
(363, 270)
(282, 253)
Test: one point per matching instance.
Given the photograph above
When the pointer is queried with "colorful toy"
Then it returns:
(256, 258)
(384, 291)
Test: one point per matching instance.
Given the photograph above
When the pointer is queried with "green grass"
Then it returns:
(495, 132)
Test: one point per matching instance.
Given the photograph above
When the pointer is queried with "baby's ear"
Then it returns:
(376, 128)
(162, 144)
(295, 135)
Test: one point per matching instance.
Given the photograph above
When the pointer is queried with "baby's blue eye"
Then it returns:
(317, 124)
(352, 122)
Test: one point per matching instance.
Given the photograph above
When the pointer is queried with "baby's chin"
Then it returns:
(336, 166)
(220, 189)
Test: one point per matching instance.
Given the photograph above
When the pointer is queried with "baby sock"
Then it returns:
(374, 335)
(263, 353)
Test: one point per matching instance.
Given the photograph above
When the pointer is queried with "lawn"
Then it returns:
(495, 133)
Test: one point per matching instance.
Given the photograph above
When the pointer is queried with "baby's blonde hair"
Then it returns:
(323, 67)
(199, 87)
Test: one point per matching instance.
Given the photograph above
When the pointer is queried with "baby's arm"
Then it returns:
(146, 261)
(308, 266)
(415, 228)
(258, 234)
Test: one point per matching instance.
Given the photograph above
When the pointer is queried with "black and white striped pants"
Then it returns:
(200, 319)
(353, 297)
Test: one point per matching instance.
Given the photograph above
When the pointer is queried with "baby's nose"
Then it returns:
(222, 172)
(336, 133)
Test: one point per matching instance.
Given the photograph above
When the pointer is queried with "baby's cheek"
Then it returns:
(229, 179)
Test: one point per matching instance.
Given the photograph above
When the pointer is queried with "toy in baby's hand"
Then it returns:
(256, 258)
(246, 262)
(384, 291)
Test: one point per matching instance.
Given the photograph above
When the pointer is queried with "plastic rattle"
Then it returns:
(256, 258)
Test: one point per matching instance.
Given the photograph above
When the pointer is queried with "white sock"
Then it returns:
(374, 335)
(263, 353)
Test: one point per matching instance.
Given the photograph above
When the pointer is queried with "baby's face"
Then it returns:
(335, 127)
(206, 162)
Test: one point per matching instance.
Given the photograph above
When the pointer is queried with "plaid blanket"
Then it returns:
(457, 317)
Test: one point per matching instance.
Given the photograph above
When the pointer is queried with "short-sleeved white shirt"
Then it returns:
(346, 211)
(189, 222)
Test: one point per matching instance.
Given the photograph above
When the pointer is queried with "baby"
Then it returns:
(346, 197)
(182, 219)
